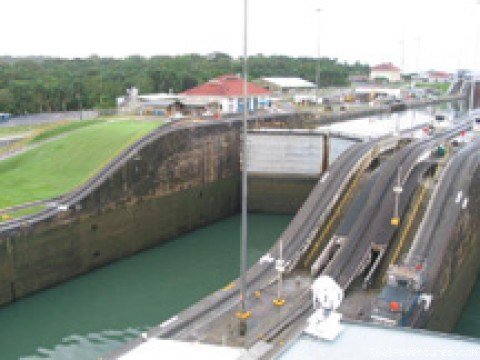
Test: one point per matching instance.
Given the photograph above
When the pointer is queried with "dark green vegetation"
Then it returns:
(278, 195)
(442, 87)
(42, 84)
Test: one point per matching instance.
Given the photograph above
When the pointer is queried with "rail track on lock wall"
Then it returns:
(309, 218)
(55, 206)
(312, 214)
(372, 227)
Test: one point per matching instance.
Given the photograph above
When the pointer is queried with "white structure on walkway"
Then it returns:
(286, 85)
(327, 298)
(386, 71)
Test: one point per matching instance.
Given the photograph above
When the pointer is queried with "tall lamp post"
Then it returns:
(317, 71)
(475, 51)
(417, 55)
(243, 314)
(397, 190)
(472, 92)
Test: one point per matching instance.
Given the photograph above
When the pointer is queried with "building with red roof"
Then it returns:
(227, 92)
(386, 71)
(439, 76)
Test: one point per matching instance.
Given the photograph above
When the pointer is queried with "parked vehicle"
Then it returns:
(476, 124)
(4, 117)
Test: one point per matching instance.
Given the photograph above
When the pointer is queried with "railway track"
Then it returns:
(372, 227)
(310, 216)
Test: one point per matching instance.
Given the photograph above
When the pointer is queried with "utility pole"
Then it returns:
(317, 72)
(417, 57)
(474, 63)
(402, 43)
(243, 314)
(472, 92)
(397, 190)
(280, 267)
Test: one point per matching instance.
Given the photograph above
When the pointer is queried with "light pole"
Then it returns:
(402, 54)
(475, 51)
(472, 92)
(397, 190)
(417, 55)
(280, 267)
(243, 314)
(317, 72)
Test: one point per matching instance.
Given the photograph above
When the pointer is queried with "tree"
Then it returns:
(50, 84)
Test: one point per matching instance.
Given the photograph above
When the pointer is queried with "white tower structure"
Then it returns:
(325, 321)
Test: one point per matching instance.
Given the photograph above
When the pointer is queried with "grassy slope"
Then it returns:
(12, 130)
(438, 86)
(61, 129)
(57, 167)
(20, 213)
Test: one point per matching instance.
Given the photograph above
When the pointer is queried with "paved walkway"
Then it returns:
(225, 329)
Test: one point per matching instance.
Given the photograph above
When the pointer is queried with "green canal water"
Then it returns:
(87, 317)
(469, 322)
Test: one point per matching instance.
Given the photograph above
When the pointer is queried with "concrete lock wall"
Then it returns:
(183, 180)
(278, 194)
(460, 266)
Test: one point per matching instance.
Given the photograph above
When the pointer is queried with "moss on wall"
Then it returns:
(184, 180)
(460, 266)
(278, 195)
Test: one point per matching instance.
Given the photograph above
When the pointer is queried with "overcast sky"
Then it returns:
(438, 34)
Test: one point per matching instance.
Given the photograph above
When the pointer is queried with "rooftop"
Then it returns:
(167, 349)
(439, 74)
(290, 82)
(385, 67)
(226, 85)
(373, 342)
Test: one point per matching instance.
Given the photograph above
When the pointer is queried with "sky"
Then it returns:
(415, 35)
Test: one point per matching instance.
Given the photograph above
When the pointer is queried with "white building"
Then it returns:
(439, 77)
(134, 103)
(227, 92)
(386, 71)
(286, 85)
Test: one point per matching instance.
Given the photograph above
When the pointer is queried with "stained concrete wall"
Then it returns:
(278, 194)
(183, 180)
(285, 154)
(460, 265)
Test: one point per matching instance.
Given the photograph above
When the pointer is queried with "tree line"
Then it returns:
(37, 84)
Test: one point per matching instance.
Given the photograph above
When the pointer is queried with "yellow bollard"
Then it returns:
(243, 315)
(279, 302)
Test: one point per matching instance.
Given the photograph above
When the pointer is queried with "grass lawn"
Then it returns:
(57, 167)
(20, 213)
(443, 87)
(57, 130)
(12, 130)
